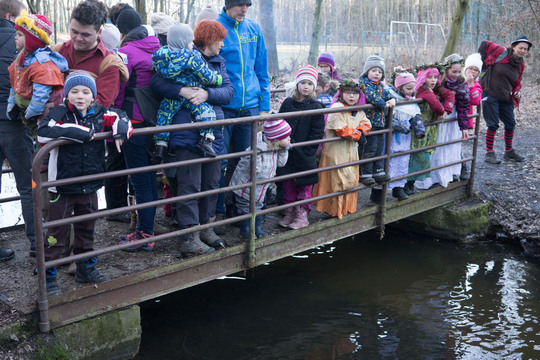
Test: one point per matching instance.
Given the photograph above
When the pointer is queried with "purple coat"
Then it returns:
(138, 49)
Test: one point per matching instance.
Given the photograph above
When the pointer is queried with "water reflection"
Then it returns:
(405, 298)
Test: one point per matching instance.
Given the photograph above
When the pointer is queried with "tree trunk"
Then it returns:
(140, 7)
(266, 11)
(455, 30)
(190, 4)
(314, 47)
(33, 6)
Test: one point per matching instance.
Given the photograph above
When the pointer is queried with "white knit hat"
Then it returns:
(307, 72)
(161, 22)
(110, 36)
(208, 12)
(474, 60)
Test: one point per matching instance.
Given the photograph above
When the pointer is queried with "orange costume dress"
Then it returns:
(345, 125)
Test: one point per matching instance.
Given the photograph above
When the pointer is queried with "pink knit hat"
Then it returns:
(421, 76)
(276, 130)
(403, 78)
(307, 72)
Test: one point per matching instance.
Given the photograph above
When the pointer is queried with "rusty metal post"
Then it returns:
(43, 302)
(470, 185)
(252, 197)
(382, 205)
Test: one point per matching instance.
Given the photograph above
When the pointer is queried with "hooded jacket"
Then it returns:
(377, 95)
(138, 49)
(245, 54)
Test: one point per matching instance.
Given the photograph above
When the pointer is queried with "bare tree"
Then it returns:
(140, 7)
(266, 12)
(314, 47)
(455, 30)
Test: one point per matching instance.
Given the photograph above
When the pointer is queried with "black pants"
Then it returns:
(373, 147)
(116, 189)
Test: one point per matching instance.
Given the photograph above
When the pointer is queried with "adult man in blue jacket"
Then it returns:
(247, 65)
(16, 143)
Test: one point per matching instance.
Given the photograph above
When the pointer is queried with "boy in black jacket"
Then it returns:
(79, 118)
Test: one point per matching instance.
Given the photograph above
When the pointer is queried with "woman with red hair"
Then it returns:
(209, 35)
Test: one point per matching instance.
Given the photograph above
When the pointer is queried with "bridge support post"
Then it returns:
(115, 335)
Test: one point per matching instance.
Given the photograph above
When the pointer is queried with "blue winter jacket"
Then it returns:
(217, 97)
(377, 95)
(244, 51)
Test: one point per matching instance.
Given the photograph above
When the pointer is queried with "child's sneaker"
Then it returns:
(205, 145)
(134, 236)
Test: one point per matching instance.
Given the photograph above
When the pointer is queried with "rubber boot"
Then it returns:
(87, 272)
(220, 230)
(465, 175)
(409, 188)
(376, 195)
(205, 145)
(192, 244)
(244, 229)
(288, 217)
(300, 219)
(258, 227)
(209, 237)
(8, 254)
(399, 193)
(52, 285)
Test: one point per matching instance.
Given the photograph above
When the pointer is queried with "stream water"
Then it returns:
(404, 297)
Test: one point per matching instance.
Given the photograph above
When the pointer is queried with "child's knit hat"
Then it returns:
(474, 60)
(179, 36)
(276, 130)
(36, 29)
(110, 36)
(231, 3)
(80, 77)
(207, 13)
(371, 62)
(307, 72)
(403, 78)
(328, 59)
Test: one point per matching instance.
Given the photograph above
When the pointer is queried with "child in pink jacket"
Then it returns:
(473, 68)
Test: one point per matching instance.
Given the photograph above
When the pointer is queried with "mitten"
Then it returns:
(158, 154)
(15, 113)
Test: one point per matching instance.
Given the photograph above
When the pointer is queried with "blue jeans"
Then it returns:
(17, 146)
(144, 184)
(236, 138)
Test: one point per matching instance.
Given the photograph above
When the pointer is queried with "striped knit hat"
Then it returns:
(307, 72)
(276, 130)
(36, 29)
(80, 77)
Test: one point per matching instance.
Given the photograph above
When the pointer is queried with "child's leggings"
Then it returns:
(292, 193)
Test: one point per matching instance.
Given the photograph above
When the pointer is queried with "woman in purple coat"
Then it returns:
(139, 45)
(209, 37)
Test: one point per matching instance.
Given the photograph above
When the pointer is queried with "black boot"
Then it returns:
(376, 195)
(399, 193)
(258, 227)
(464, 172)
(409, 188)
(6, 254)
(87, 272)
(205, 145)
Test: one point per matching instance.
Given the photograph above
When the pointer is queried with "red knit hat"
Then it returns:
(307, 72)
(36, 29)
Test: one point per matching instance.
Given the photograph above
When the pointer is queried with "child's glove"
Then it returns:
(219, 79)
(400, 126)
(158, 154)
(360, 137)
(417, 125)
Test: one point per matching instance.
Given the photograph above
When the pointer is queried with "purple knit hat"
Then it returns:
(276, 130)
(327, 58)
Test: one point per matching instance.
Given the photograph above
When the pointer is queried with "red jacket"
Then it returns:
(107, 80)
(439, 107)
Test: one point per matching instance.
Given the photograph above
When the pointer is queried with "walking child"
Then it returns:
(438, 103)
(36, 75)
(273, 146)
(406, 122)
(178, 61)
(380, 97)
(473, 68)
(352, 126)
(78, 119)
(304, 128)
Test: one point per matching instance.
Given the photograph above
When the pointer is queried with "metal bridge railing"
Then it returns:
(251, 245)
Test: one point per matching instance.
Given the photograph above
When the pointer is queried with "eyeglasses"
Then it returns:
(350, 92)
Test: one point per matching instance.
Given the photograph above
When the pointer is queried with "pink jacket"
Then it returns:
(475, 97)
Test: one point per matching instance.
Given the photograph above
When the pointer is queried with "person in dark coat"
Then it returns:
(209, 37)
(304, 128)
(16, 144)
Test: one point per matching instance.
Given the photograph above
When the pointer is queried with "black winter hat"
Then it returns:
(231, 3)
(127, 20)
